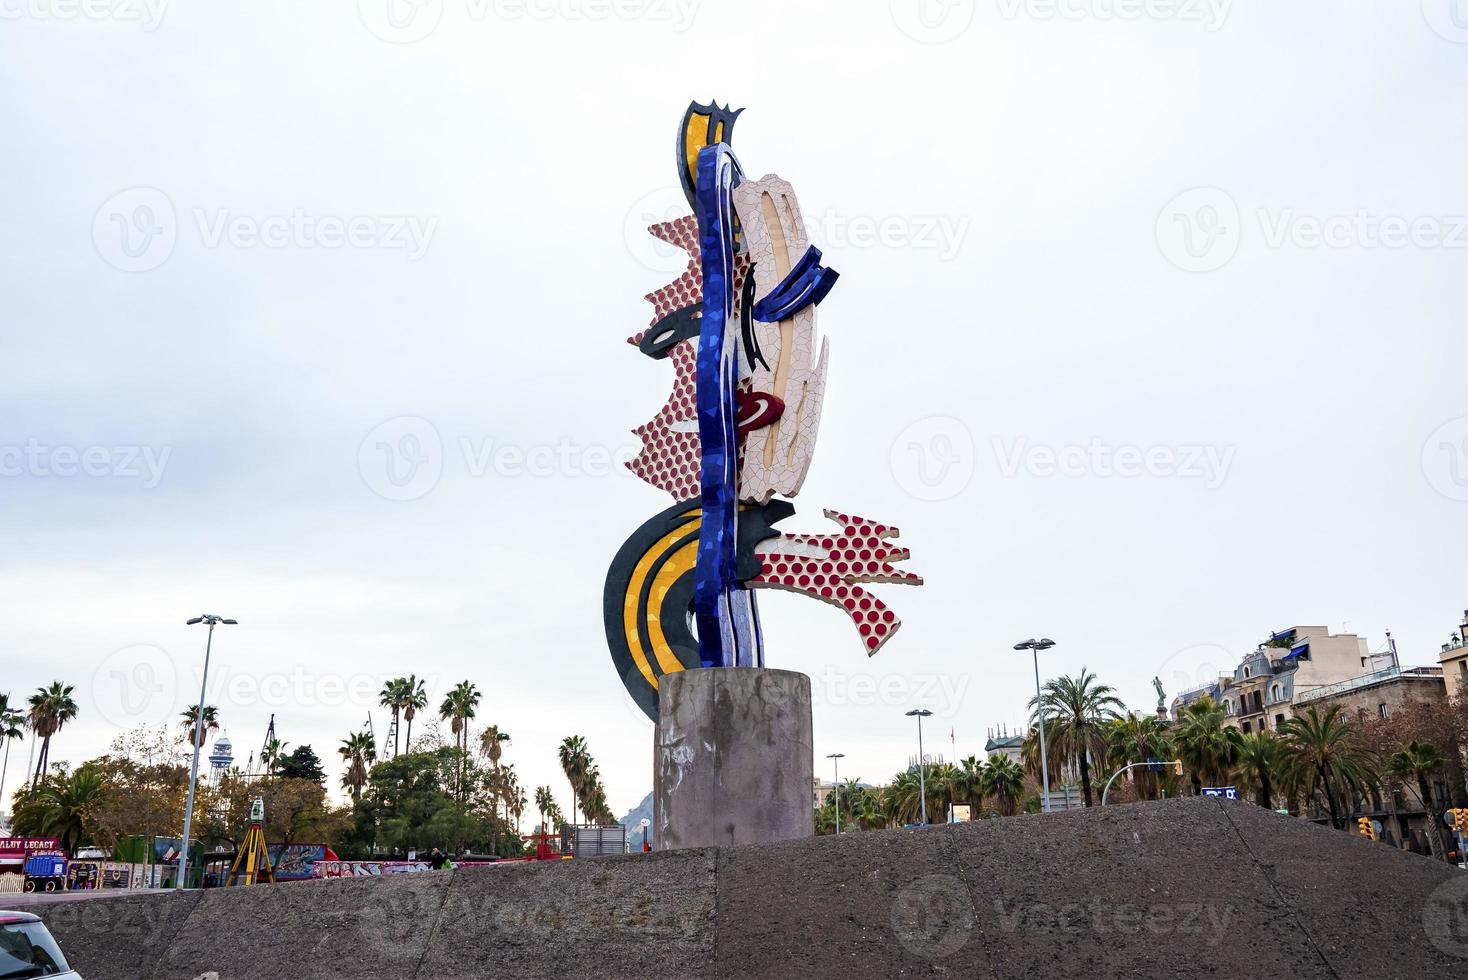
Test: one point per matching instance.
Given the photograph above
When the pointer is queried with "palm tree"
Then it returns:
(1206, 745)
(391, 697)
(12, 726)
(575, 763)
(458, 710)
(901, 803)
(491, 747)
(1135, 739)
(62, 807)
(865, 806)
(942, 780)
(1030, 756)
(414, 699)
(1078, 709)
(1258, 762)
(360, 752)
(190, 718)
(51, 708)
(271, 754)
(1004, 780)
(1324, 754)
(1413, 763)
(545, 802)
(968, 784)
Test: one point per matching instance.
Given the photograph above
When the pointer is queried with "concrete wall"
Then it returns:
(1180, 888)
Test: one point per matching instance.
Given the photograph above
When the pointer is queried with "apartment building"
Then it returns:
(1260, 693)
(1454, 659)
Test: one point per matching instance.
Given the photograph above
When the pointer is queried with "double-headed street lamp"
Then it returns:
(920, 714)
(836, 758)
(183, 855)
(1036, 646)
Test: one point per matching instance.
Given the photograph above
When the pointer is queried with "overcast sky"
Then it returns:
(1149, 337)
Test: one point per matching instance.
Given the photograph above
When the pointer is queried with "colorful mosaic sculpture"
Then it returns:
(736, 435)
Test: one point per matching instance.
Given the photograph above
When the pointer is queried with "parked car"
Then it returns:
(27, 949)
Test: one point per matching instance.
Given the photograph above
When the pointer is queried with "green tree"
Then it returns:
(1004, 780)
(1257, 763)
(302, 764)
(492, 746)
(458, 710)
(576, 764)
(410, 803)
(392, 697)
(62, 807)
(545, 804)
(12, 727)
(1412, 764)
(902, 802)
(1323, 754)
(1134, 739)
(51, 708)
(1030, 755)
(968, 785)
(1076, 711)
(360, 752)
(414, 699)
(1208, 748)
(272, 754)
(190, 717)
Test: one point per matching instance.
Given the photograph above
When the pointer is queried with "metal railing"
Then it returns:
(1364, 681)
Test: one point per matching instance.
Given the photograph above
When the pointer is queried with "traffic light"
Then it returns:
(1363, 825)
(1177, 767)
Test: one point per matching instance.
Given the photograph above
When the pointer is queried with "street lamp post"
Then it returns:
(920, 714)
(183, 851)
(836, 758)
(1036, 646)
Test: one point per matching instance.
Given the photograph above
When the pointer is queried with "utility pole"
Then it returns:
(1036, 646)
(920, 714)
(183, 851)
(836, 758)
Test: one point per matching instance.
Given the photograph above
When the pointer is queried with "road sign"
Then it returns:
(1066, 798)
(1227, 792)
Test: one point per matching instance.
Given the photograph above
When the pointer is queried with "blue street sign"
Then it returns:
(1227, 792)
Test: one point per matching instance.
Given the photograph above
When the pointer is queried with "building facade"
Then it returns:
(1260, 693)
(1001, 742)
(1454, 659)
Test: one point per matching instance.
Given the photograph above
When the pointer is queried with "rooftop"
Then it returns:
(1366, 681)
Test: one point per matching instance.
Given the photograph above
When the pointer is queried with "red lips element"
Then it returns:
(758, 409)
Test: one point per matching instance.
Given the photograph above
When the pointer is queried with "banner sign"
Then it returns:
(20, 845)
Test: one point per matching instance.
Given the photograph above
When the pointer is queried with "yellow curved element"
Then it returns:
(680, 562)
(666, 660)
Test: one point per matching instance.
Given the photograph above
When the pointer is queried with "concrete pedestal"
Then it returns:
(732, 758)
